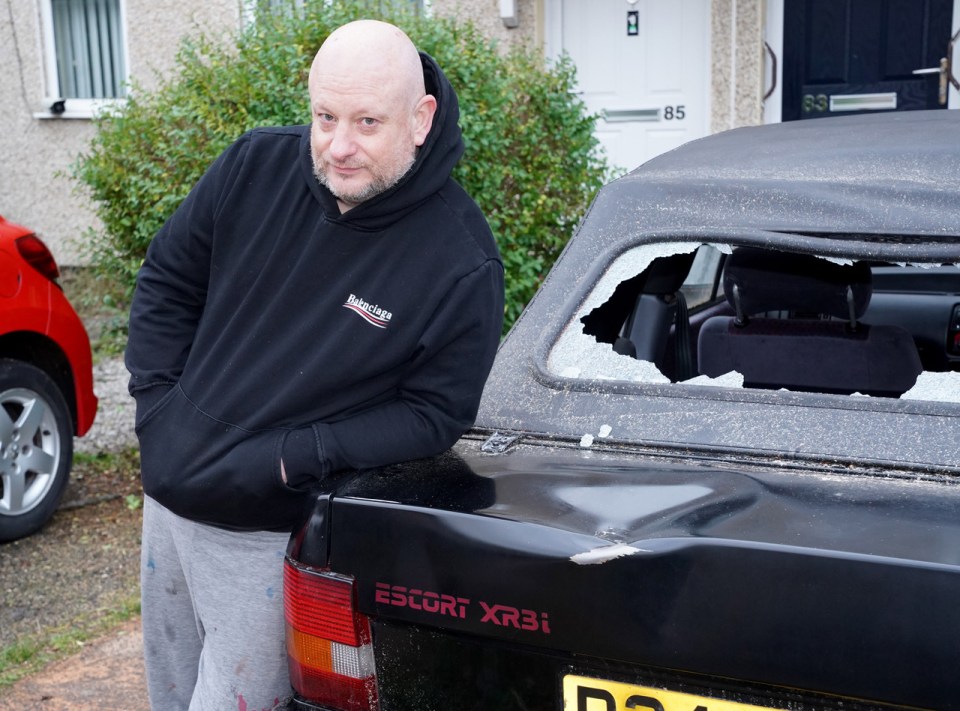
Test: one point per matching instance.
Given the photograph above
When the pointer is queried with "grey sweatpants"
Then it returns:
(213, 627)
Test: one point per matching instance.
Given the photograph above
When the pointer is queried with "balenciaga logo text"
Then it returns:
(371, 313)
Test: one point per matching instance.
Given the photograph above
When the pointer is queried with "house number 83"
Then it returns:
(815, 103)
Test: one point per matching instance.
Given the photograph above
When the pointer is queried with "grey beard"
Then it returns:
(376, 187)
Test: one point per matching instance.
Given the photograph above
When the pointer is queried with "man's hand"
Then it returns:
(283, 471)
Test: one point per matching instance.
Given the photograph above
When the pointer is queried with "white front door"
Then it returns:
(643, 64)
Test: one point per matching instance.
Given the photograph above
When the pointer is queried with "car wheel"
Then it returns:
(36, 448)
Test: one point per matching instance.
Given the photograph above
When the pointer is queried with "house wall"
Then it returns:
(35, 189)
(736, 90)
(486, 15)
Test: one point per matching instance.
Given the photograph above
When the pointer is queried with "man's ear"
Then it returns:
(423, 118)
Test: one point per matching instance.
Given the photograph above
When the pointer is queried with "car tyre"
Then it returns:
(36, 448)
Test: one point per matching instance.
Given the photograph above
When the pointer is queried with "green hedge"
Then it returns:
(531, 161)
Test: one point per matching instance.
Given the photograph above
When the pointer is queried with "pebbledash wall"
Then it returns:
(38, 146)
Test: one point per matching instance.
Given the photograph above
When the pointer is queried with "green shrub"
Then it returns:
(531, 160)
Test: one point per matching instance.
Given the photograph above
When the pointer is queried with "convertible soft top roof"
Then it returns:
(893, 174)
(875, 188)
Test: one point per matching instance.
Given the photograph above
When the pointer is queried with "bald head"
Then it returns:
(370, 110)
(370, 50)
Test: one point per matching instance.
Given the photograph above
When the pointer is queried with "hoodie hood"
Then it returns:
(431, 169)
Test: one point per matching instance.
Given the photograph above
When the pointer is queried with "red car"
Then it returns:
(46, 383)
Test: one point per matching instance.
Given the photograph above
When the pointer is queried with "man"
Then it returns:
(326, 299)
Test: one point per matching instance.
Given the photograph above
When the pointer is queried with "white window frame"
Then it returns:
(73, 108)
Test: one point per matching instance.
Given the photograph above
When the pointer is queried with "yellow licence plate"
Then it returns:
(581, 693)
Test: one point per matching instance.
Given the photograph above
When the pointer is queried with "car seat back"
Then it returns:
(796, 327)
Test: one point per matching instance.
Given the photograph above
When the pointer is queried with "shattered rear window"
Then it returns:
(745, 317)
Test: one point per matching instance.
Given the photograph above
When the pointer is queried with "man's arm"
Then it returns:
(436, 402)
(172, 290)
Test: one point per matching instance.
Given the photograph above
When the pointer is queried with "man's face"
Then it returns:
(363, 136)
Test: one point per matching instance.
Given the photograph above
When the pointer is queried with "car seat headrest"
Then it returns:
(759, 280)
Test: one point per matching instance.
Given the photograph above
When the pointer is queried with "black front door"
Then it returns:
(854, 56)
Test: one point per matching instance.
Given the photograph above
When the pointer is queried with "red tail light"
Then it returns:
(36, 254)
(328, 643)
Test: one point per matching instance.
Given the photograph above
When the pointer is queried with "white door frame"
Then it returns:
(553, 24)
(773, 36)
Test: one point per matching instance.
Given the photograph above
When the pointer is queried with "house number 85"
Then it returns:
(673, 112)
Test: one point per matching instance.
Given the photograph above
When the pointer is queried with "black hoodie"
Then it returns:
(266, 324)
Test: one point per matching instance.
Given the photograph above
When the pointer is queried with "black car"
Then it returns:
(716, 465)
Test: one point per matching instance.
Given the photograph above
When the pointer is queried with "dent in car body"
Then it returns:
(722, 552)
